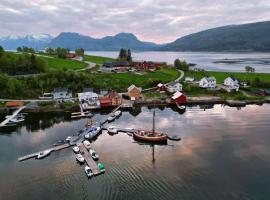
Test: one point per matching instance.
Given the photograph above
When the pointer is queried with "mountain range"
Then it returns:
(245, 37)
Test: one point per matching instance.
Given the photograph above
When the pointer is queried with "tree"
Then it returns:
(129, 57)
(19, 49)
(2, 51)
(182, 65)
(50, 51)
(122, 54)
(249, 69)
(80, 51)
(62, 52)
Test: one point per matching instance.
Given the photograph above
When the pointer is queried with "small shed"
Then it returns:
(14, 104)
(134, 92)
(178, 97)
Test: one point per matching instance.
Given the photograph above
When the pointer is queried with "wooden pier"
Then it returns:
(33, 155)
(88, 159)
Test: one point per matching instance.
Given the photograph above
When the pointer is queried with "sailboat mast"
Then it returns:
(154, 115)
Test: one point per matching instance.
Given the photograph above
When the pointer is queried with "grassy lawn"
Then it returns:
(220, 76)
(97, 59)
(59, 63)
(124, 80)
(155, 95)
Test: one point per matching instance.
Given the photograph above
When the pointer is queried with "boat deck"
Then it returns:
(88, 159)
(33, 155)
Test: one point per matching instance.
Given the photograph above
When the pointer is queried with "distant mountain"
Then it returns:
(246, 37)
(38, 41)
(109, 43)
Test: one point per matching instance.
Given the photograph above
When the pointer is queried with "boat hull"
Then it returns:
(154, 139)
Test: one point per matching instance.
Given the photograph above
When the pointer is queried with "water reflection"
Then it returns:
(224, 154)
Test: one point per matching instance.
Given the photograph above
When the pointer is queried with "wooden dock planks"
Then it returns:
(88, 159)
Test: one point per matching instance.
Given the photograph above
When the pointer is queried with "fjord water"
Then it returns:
(224, 154)
(231, 62)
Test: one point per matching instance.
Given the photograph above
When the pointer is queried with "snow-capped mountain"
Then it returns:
(36, 41)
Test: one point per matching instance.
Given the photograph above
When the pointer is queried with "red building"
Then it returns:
(148, 65)
(105, 101)
(179, 97)
(161, 87)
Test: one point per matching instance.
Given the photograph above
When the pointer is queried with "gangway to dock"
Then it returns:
(88, 159)
(9, 118)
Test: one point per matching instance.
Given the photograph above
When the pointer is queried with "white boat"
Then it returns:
(68, 138)
(88, 171)
(80, 158)
(117, 113)
(111, 117)
(76, 149)
(92, 132)
(87, 144)
(112, 129)
(93, 154)
(43, 154)
(17, 120)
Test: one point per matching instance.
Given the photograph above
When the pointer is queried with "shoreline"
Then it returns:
(231, 103)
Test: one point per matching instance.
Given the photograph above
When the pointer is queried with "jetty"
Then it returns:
(88, 159)
(13, 116)
(34, 155)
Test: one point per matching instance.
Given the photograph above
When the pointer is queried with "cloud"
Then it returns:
(159, 21)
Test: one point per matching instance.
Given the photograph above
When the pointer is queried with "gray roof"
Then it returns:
(60, 89)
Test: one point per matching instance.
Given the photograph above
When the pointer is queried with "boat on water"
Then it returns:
(17, 119)
(93, 154)
(92, 132)
(79, 158)
(43, 154)
(88, 171)
(117, 113)
(59, 142)
(101, 167)
(150, 135)
(112, 130)
(87, 144)
(76, 149)
(111, 117)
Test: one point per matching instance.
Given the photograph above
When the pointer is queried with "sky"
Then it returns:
(157, 21)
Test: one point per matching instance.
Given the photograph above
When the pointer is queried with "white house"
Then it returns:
(174, 87)
(89, 100)
(208, 82)
(189, 79)
(61, 93)
(232, 83)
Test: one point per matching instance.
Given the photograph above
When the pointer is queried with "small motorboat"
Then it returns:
(101, 167)
(17, 120)
(68, 138)
(112, 130)
(92, 132)
(80, 158)
(43, 154)
(111, 117)
(88, 171)
(117, 113)
(76, 149)
(87, 144)
(93, 154)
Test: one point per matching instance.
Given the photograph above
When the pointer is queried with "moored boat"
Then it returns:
(80, 158)
(93, 154)
(117, 113)
(112, 130)
(101, 167)
(111, 117)
(87, 144)
(150, 135)
(43, 154)
(76, 149)
(88, 171)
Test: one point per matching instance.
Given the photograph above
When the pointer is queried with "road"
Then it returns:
(90, 66)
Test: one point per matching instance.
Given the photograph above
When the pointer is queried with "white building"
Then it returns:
(232, 83)
(208, 82)
(88, 100)
(174, 87)
(61, 93)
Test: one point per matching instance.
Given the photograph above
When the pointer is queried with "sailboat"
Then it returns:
(150, 135)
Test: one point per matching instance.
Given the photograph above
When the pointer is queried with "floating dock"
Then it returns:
(14, 114)
(56, 148)
(88, 159)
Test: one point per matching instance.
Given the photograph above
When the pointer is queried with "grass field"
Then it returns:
(59, 63)
(124, 80)
(220, 76)
(97, 59)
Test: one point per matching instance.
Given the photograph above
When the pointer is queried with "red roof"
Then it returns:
(14, 104)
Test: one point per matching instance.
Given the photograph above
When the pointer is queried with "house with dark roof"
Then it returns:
(61, 93)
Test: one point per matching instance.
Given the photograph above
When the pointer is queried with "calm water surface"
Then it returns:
(205, 60)
(224, 154)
